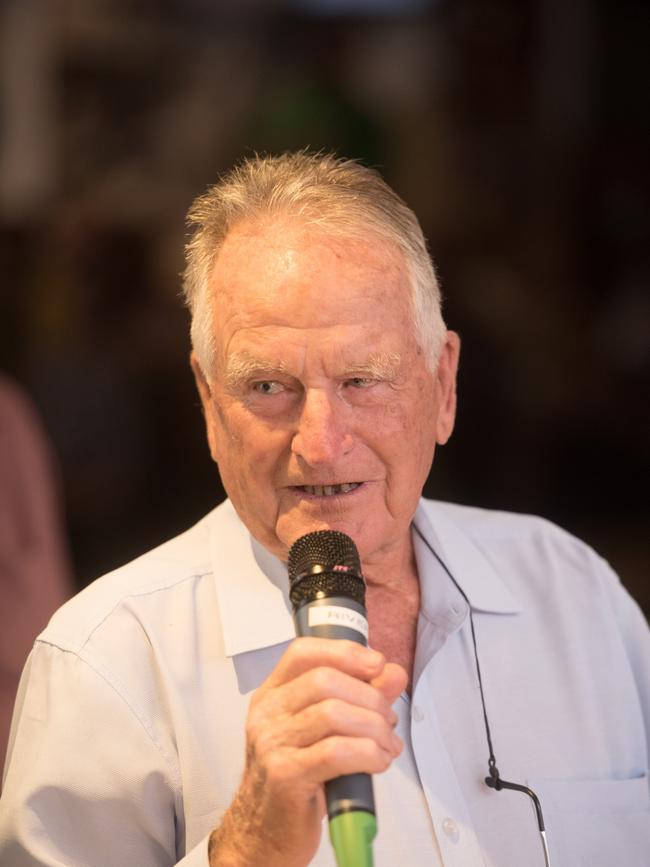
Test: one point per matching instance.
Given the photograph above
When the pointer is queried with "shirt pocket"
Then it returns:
(596, 823)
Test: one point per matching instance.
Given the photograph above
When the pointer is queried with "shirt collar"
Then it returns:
(253, 588)
(470, 567)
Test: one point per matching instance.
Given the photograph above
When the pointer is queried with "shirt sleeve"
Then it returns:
(635, 636)
(86, 784)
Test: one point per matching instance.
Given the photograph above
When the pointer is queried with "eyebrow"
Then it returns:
(381, 365)
(242, 367)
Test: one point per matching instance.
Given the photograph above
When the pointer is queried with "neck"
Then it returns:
(392, 569)
(393, 604)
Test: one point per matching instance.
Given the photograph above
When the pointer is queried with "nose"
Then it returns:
(323, 435)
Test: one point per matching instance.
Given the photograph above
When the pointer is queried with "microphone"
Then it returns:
(328, 595)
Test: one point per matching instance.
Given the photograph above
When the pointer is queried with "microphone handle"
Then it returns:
(350, 798)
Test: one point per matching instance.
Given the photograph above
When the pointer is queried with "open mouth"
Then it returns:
(328, 490)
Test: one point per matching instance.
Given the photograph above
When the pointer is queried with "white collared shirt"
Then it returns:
(128, 738)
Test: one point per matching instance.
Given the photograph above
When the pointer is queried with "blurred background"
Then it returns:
(519, 133)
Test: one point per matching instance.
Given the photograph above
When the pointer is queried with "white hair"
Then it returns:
(339, 196)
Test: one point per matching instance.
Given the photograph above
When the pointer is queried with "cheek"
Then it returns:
(245, 446)
(220, 435)
(407, 422)
(406, 435)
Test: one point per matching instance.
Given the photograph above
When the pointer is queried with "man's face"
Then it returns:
(320, 408)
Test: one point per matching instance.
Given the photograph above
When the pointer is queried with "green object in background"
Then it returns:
(352, 834)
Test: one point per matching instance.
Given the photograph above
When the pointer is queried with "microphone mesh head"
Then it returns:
(325, 563)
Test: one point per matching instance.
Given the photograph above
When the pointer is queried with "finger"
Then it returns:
(307, 652)
(335, 717)
(335, 756)
(392, 681)
(319, 684)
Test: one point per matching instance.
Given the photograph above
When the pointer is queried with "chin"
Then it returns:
(288, 535)
(359, 536)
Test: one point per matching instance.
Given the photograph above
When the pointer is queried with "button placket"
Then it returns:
(417, 713)
(454, 830)
(451, 829)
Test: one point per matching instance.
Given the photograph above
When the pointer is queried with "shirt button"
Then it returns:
(451, 830)
(418, 713)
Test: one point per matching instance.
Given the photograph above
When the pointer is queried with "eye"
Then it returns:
(268, 386)
(360, 382)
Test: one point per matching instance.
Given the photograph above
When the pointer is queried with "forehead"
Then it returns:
(296, 275)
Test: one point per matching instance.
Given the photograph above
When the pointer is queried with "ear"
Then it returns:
(205, 393)
(446, 387)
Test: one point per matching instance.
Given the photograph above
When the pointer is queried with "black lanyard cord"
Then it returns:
(492, 763)
(494, 781)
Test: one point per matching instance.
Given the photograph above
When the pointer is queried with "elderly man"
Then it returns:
(166, 716)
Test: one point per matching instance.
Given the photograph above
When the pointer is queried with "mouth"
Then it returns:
(328, 490)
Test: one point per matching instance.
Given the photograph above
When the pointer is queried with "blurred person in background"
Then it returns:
(166, 716)
(35, 574)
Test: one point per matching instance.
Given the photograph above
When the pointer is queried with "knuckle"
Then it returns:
(308, 646)
(331, 710)
(379, 758)
(333, 750)
(299, 646)
(322, 679)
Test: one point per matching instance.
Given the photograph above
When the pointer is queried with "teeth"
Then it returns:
(328, 490)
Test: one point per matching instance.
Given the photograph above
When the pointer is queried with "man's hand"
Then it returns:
(324, 711)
